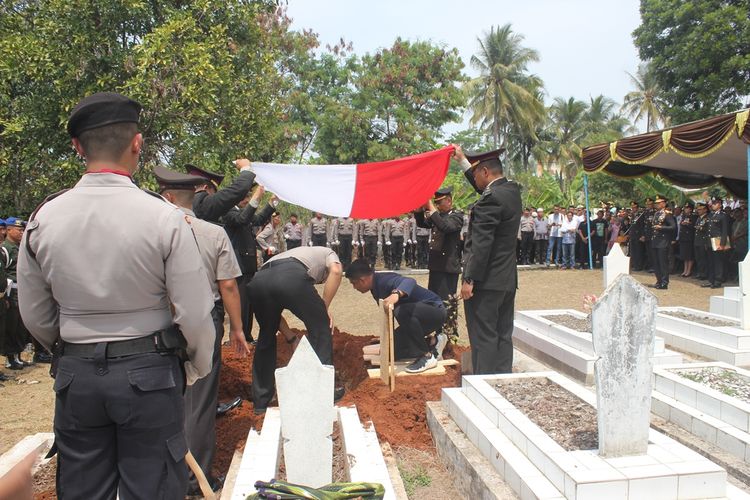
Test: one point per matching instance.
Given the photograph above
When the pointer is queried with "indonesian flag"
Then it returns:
(363, 191)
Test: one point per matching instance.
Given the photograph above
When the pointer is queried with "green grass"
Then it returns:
(415, 478)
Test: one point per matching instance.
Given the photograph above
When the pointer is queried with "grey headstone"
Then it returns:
(305, 390)
(745, 293)
(615, 264)
(623, 335)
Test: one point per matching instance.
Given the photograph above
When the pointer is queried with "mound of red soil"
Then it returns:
(399, 416)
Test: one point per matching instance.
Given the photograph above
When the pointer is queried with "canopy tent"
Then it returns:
(692, 155)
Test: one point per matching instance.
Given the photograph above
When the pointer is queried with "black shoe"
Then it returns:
(42, 357)
(4, 377)
(14, 363)
(338, 393)
(715, 285)
(223, 408)
(661, 287)
(707, 285)
(259, 411)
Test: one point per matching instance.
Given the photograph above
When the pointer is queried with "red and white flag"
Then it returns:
(363, 191)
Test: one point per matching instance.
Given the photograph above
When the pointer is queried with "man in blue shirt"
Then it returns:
(419, 312)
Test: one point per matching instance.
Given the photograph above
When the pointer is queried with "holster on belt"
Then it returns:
(57, 349)
(171, 339)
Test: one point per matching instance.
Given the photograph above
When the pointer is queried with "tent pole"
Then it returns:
(588, 217)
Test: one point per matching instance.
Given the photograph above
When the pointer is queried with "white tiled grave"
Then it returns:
(565, 349)
(536, 467)
(730, 344)
(727, 304)
(706, 412)
(262, 453)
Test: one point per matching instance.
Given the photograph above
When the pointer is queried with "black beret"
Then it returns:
(100, 109)
(204, 174)
(476, 158)
(442, 193)
(169, 179)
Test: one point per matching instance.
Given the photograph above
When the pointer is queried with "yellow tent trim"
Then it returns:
(741, 121)
(666, 136)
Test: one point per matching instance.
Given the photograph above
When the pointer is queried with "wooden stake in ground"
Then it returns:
(387, 356)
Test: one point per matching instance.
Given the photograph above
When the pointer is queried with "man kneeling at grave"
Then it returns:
(419, 313)
(286, 281)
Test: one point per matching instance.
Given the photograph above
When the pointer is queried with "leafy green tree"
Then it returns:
(647, 100)
(700, 53)
(395, 105)
(505, 98)
(205, 71)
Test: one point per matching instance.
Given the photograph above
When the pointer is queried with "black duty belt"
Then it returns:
(163, 341)
(279, 262)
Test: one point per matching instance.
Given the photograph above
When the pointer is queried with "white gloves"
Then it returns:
(388, 243)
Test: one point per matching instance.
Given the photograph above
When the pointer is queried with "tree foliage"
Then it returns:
(700, 53)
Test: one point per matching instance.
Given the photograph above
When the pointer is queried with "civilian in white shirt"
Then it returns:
(555, 220)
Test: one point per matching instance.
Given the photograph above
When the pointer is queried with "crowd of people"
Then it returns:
(134, 318)
(705, 239)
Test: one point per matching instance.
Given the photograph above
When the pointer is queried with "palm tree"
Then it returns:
(566, 134)
(646, 100)
(505, 95)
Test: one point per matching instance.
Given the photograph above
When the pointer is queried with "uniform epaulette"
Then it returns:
(32, 223)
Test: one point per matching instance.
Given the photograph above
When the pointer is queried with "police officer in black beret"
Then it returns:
(490, 276)
(111, 306)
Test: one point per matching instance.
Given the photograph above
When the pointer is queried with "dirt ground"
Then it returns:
(28, 401)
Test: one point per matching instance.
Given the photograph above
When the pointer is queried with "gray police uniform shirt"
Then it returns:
(345, 226)
(293, 231)
(315, 259)
(136, 256)
(219, 259)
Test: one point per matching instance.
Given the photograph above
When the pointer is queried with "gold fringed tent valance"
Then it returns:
(681, 154)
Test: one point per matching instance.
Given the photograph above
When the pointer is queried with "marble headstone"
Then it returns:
(623, 323)
(305, 390)
(615, 264)
(745, 293)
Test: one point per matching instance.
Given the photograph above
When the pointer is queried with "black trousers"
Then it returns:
(201, 399)
(16, 334)
(636, 254)
(489, 319)
(416, 320)
(371, 250)
(540, 248)
(119, 427)
(345, 250)
(442, 283)
(397, 251)
(598, 250)
(716, 267)
(701, 260)
(423, 251)
(661, 265)
(285, 284)
(293, 244)
(650, 256)
(527, 247)
(319, 240)
(246, 308)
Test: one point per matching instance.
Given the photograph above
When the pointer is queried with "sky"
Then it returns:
(585, 46)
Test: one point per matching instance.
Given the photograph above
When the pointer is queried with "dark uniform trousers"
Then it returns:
(397, 251)
(423, 247)
(442, 283)
(345, 250)
(371, 250)
(201, 399)
(246, 308)
(416, 320)
(16, 334)
(319, 240)
(701, 257)
(285, 284)
(489, 319)
(636, 254)
(716, 266)
(119, 427)
(661, 265)
(527, 247)
(293, 244)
